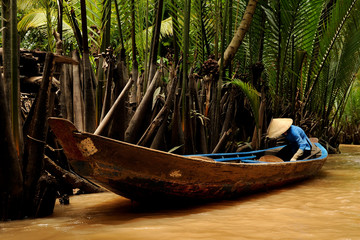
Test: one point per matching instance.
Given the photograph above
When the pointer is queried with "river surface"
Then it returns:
(326, 207)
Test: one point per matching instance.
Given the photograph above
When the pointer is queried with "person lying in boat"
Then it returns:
(299, 145)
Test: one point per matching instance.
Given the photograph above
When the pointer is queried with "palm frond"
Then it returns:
(202, 28)
(35, 19)
(340, 14)
(177, 15)
(345, 66)
(252, 96)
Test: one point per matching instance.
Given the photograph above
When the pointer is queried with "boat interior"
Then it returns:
(275, 154)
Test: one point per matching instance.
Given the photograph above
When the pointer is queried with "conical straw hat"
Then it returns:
(278, 126)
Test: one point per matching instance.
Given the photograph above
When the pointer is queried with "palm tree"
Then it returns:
(306, 50)
(11, 186)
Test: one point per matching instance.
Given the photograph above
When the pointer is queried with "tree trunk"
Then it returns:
(89, 82)
(120, 29)
(68, 177)
(188, 144)
(155, 40)
(60, 17)
(114, 109)
(36, 135)
(77, 95)
(120, 118)
(159, 139)
(15, 80)
(201, 140)
(133, 131)
(6, 40)
(177, 134)
(45, 195)
(108, 87)
(105, 43)
(76, 30)
(175, 26)
(161, 116)
(214, 112)
(11, 178)
(66, 93)
(229, 112)
(135, 70)
(240, 33)
(88, 77)
(222, 141)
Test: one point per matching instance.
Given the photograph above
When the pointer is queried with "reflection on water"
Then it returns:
(325, 207)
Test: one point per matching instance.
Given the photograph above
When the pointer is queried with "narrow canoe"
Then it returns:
(143, 174)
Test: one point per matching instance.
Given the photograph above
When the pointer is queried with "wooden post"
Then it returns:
(36, 135)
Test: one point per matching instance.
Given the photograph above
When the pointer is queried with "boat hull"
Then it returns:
(144, 174)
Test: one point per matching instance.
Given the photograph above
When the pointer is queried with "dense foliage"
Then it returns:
(308, 48)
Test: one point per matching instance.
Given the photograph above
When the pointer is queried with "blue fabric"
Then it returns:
(298, 139)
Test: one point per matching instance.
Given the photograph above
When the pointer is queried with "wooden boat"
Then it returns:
(144, 174)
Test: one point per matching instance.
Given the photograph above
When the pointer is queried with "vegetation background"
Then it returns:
(177, 75)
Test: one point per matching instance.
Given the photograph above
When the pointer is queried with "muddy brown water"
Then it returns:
(324, 207)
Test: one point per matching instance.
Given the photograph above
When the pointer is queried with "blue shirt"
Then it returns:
(298, 139)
